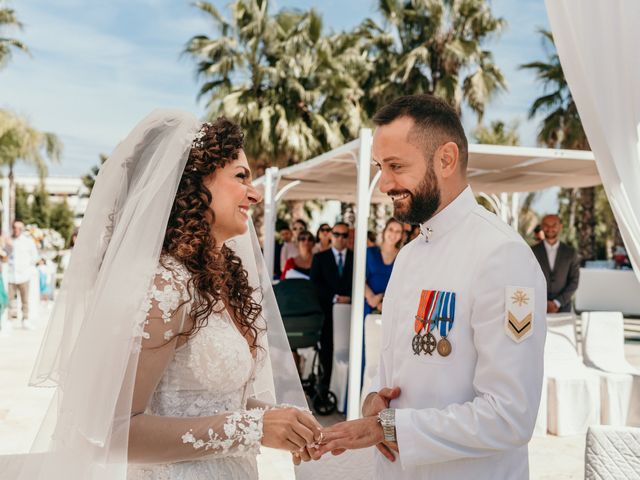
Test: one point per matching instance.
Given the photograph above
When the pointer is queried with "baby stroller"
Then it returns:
(303, 318)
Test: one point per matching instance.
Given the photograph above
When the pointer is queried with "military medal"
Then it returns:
(424, 343)
(446, 315)
(416, 344)
(428, 343)
(444, 347)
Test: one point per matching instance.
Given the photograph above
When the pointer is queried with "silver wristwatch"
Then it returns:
(387, 420)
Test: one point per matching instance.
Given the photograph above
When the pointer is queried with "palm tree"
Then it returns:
(279, 78)
(20, 142)
(89, 180)
(498, 133)
(7, 45)
(432, 46)
(562, 128)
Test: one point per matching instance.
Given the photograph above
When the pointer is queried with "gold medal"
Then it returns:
(444, 347)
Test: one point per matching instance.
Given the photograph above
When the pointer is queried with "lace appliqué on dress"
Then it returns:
(242, 431)
(166, 294)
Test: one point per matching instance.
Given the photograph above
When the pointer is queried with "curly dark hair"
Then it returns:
(218, 279)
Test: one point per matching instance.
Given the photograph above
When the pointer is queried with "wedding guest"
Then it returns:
(44, 278)
(332, 272)
(560, 265)
(290, 249)
(284, 235)
(380, 264)
(4, 298)
(300, 265)
(323, 238)
(22, 262)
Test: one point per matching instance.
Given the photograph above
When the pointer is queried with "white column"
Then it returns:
(359, 259)
(270, 215)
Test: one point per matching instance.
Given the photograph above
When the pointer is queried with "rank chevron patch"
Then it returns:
(519, 328)
(519, 305)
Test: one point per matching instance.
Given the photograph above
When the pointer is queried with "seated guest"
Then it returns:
(559, 263)
(290, 249)
(379, 265)
(300, 265)
(323, 238)
(332, 272)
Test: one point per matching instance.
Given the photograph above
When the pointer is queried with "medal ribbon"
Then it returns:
(426, 301)
(446, 312)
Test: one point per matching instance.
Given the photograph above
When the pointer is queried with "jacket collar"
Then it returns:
(449, 217)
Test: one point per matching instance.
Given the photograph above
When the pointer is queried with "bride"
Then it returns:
(166, 346)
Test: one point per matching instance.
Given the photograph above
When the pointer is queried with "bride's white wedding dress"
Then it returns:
(210, 375)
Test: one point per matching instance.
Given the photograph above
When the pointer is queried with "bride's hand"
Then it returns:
(289, 429)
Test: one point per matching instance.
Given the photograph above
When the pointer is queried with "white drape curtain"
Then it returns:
(597, 41)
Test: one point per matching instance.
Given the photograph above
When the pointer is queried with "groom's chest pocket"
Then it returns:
(432, 326)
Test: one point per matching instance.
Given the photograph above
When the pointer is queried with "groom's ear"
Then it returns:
(446, 160)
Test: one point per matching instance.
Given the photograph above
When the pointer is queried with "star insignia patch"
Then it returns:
(518, 315)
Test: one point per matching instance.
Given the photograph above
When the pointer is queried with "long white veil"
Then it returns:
(90, 349)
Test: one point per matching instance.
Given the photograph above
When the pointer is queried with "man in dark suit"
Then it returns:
(332, 272)
(560, 265)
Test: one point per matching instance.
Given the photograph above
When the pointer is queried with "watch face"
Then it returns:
(386, 416)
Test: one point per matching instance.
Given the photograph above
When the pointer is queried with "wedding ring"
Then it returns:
(321, 439)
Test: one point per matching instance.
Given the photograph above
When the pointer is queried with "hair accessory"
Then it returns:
(197, 139)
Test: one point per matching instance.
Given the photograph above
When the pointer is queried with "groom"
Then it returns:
(463, 324)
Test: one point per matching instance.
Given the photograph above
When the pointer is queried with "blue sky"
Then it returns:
(98, 67)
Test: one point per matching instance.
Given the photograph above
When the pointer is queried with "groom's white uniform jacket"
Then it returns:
(468, 415)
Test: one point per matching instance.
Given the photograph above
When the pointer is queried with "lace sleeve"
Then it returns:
(167, 304)
(161, 439)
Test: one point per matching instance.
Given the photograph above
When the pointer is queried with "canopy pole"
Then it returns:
(359, 259)
(270, 216)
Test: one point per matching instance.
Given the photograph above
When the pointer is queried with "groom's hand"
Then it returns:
(361, 433)
(377, 401)
(373, 404)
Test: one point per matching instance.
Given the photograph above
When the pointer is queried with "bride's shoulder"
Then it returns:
(170, 282)
(171, 270)
(167, 302)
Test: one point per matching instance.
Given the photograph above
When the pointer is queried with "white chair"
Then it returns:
(603, 350)
(612, 453)
(573, 392)
(340, 369)
(372, 333)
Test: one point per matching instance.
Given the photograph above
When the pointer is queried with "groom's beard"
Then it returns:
(422, 203)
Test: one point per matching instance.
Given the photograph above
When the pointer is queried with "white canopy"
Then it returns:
(345, 174)
(491, 169)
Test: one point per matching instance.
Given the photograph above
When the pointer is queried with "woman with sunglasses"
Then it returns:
(300, 265)
(323, 238)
